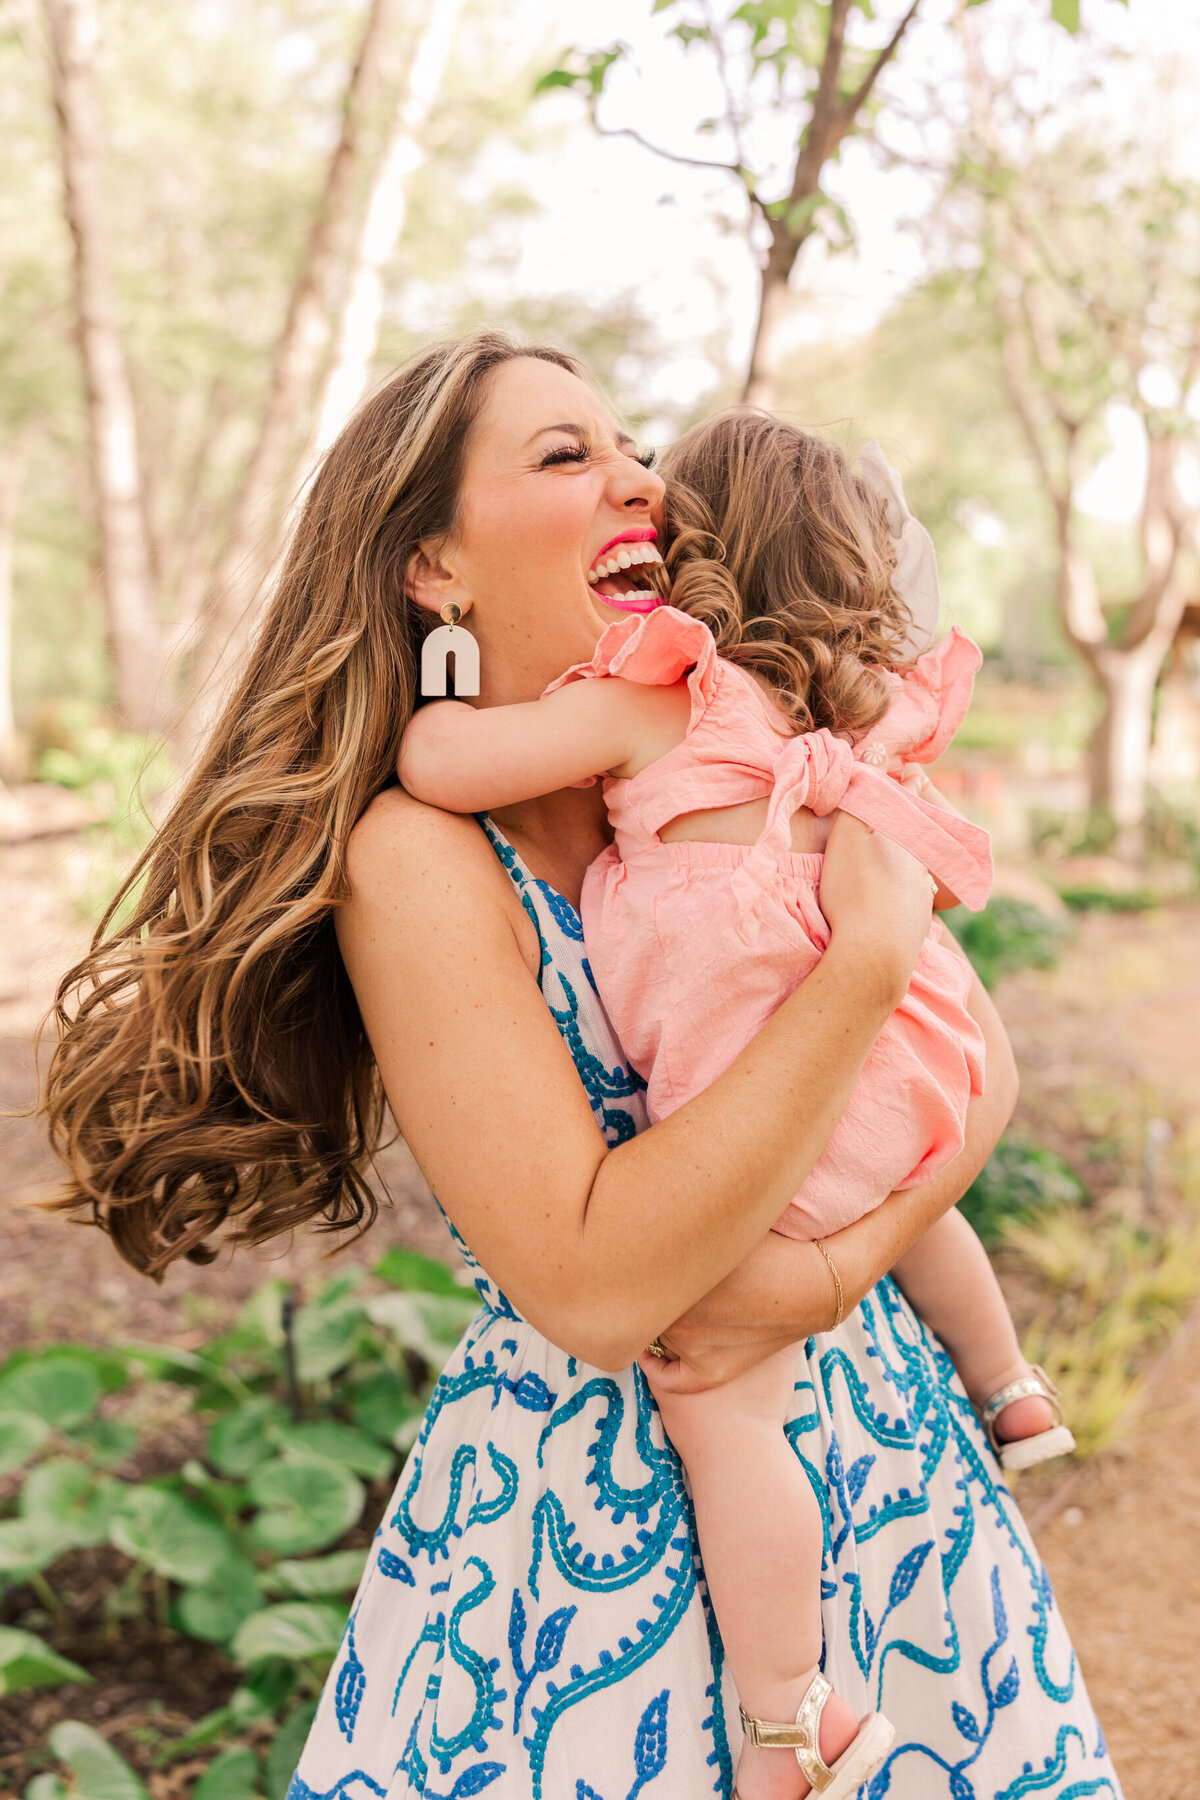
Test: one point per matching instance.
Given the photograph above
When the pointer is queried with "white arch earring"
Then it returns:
(439, 646)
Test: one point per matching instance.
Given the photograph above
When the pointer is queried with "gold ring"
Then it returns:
(656, 1349)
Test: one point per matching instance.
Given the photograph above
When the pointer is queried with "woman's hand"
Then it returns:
(877, 899)
(705, 1349)
(783, 1292)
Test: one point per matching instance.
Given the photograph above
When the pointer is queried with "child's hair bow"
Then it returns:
(916, 577)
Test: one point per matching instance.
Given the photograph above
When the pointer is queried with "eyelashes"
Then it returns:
(579, 453)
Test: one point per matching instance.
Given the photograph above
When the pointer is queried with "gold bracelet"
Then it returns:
(837, 1282)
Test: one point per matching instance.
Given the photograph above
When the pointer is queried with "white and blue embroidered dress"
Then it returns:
(533, 1622)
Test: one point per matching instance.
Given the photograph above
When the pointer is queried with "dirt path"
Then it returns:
(1124, 1557)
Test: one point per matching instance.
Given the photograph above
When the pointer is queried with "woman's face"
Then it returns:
(550, 482)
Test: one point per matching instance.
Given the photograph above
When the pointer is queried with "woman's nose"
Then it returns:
(640, 488)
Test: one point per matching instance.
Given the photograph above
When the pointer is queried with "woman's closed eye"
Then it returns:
(579, 453)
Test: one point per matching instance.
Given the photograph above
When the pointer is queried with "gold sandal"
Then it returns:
(1023, 1453)
(861, 1758)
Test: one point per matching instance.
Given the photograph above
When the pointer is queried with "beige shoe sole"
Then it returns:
(876, 1735)
(1024, 1453)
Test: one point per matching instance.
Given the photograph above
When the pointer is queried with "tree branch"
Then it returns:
(858, 99)
(690, 162)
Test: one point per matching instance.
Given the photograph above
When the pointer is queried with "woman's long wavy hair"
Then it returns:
(211, 1068)
(785, 554)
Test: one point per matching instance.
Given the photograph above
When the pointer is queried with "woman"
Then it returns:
(533, 1620)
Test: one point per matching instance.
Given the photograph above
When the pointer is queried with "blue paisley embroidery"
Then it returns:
(533, 1623)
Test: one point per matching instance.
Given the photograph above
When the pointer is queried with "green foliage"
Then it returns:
(26, 1662)
(1020, 1181)
(243, 1548)
(98, 1772)
(1092, 899)
(1006, 936)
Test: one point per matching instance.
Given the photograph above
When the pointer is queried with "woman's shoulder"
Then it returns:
(417, 853)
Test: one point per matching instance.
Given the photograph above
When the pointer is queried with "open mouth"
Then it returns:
(630, 575)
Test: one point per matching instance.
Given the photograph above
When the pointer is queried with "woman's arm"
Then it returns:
(597, 1247)
(467, 758)
(783, 1292)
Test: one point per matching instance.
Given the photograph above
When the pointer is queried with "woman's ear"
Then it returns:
(430, 582)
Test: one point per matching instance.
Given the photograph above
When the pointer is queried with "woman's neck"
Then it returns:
(558, 835)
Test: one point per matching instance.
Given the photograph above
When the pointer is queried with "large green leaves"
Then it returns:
(59, 1389)
(430, 1324)
(26, 1662)
(307, 1503)
(100, 1774)
(318, 1576)
(171, 1536)
(296, 1630)
(231, 1776)
(215, 1609)
(21, 1437)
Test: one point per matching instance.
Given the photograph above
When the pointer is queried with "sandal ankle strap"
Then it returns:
(803, 1736)
(1037, 1385)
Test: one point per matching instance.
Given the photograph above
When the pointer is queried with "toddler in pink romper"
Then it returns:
(692, 945)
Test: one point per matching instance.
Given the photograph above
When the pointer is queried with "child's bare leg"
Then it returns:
(950, 1281)
(760, 1534)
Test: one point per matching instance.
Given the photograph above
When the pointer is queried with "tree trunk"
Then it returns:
(128, 581)
(387, 209)
(762, 376)
(1120, 746)
(12, 475)
(229, 614)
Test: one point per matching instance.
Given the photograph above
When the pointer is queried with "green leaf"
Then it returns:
(21, 1437)
(110, 1367)
(214, 1610)
(337, 1443)
(26, 1662)
(27, 1546)
(312, 1579)
(238, 1442)
(430, 1324)
(326, 1334)
(798, 216)
(171, 1536)
(307, 1504)
(61, 1390)
(284, 1753)
(383, 1404)
(100, 1774)
(296, 1630)
(107, 1441)
(406, 1269)
(231, 1776)
(67, 1493)
(555, 79)
(47, 1787)
(1066, 14)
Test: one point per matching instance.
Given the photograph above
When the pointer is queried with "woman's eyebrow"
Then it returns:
(621, 438)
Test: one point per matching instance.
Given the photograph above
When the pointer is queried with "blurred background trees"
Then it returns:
(222, 224)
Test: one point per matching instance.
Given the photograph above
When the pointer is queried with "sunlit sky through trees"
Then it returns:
(616, 220)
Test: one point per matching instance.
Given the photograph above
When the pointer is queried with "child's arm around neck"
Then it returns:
(467, 758)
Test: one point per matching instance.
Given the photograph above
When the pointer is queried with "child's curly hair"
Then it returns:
(784, 552)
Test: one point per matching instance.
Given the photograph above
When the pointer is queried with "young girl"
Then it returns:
(720, 773)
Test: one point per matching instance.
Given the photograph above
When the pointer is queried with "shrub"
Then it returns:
(243, 1547)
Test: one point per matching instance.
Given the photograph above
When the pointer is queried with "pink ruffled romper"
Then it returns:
(693, 945)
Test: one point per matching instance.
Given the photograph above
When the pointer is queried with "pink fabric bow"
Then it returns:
(819, 771)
